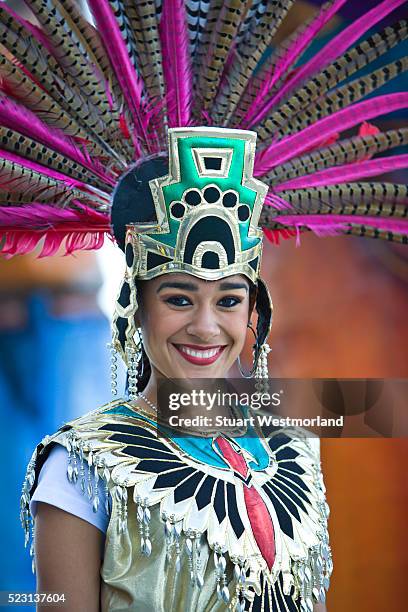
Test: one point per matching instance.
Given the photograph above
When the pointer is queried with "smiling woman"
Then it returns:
(137, 126)
(215, 521)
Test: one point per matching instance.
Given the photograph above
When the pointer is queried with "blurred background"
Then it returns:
(340, 311)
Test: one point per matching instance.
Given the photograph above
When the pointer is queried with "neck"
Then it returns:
(210, 389)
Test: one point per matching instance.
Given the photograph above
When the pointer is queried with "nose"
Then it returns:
(203, 324)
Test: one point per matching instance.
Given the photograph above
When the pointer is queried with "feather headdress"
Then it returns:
(81, 102)
(142, 125)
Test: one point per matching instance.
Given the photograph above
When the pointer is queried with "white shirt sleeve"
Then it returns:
(55, 489)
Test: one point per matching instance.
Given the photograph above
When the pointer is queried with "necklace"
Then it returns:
(148, 402)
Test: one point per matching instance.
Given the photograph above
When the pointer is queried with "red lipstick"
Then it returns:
(196, 359)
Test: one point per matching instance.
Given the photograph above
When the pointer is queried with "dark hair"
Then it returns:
(145, 366)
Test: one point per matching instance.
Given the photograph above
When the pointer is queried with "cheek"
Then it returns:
(158, 327)
(236, 326)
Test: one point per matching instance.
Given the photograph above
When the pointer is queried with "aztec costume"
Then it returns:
(139, 127)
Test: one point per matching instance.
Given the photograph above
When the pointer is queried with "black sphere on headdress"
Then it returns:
(132, 200)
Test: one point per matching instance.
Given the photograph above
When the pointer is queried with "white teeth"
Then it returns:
(202, 354)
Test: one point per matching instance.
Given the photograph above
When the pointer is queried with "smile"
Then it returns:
(199, 355)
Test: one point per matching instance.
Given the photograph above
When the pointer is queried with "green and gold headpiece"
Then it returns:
(196, 211)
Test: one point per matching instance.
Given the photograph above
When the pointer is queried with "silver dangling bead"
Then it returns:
(168, 533)
(139, 354)
(89, 488)
(81, 467)
(199, 578)
(32, 548)
(262, 368)
(121, 495)
(146, 523)
(95, 500)
(177, 534)
(223, 593)
(75, 470)
(131, 357)
(114, 369)
(194, 561)
(69, 466)
(143, 518)
(189, 548)
(106, 477)
(262, 372)
(240, 577)
(124, 510)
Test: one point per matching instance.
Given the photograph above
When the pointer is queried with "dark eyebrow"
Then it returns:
(179, 285)
(227, 286)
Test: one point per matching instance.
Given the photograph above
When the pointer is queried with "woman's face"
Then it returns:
(194, 328)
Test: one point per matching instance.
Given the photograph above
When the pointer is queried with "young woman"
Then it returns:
(101, 135)
(203, 522)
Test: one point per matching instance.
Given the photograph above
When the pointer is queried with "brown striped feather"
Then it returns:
(246, 59)
(345, 151)
(220, 44)
(353, 60)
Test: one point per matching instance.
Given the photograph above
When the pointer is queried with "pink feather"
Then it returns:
(23, 228)
(21, 243)
(292, 54)
(15, 117)
(43, 216)
(128, 78)
(176, 63)
(276, 201)
(336, 47)
(296, 144)
(345, 173)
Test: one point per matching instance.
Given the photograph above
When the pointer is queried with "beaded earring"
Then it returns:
(260, 366)
(113, 369)
(262, 372)
(134, 359)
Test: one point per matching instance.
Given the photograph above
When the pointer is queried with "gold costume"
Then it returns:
(180, 536)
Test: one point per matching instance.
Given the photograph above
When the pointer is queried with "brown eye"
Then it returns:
(178, 300)
(229, 301)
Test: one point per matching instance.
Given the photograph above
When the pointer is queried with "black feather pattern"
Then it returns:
(197, 11)
(345, 151)
(221, 41)
(263, 72)
(248, 52)
(71, 55)
(343, 96)
(144, 22)
(30, 149)
(19, 184)
(354, 60)
(45, 69)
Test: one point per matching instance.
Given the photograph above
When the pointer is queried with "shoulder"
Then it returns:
(92, 439)
(65, 446)
(90, 421)
(73, 497)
